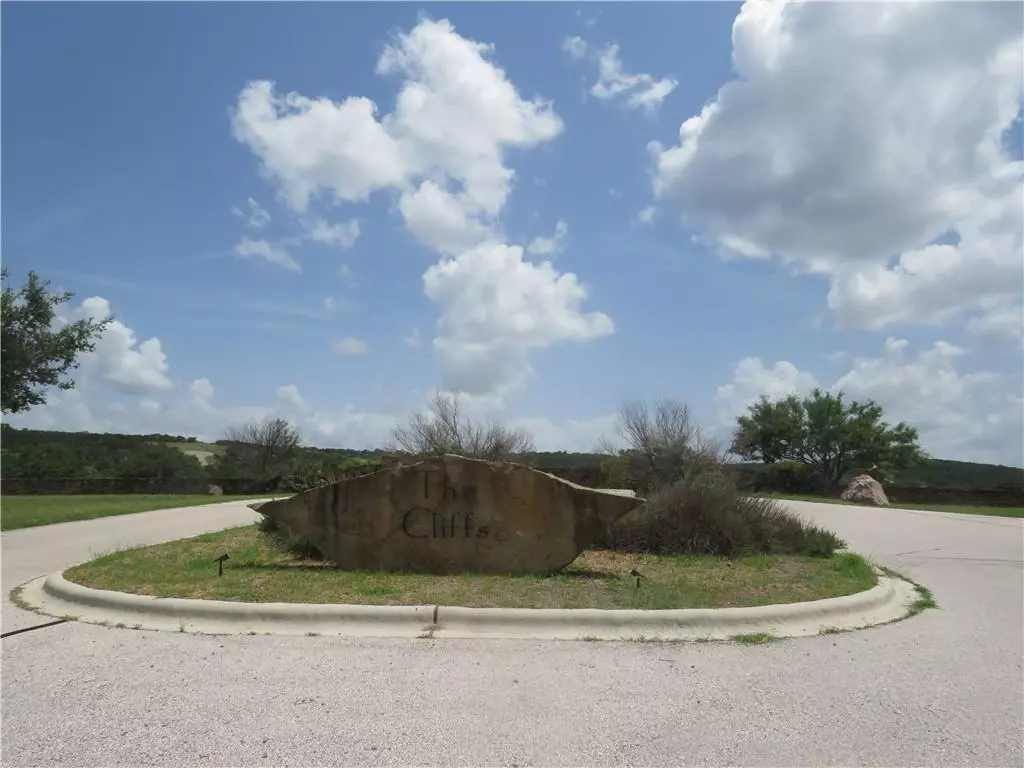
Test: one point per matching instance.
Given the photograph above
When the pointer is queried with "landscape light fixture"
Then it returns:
(220, 563)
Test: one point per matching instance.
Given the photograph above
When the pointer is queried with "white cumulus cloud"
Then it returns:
(640, 91)
(440, 220)
(119, 357)
(289, 394)
(442, 149)
(857, 142)
(1005, 322)
(495, 308)
(343, 233)
(550, 245)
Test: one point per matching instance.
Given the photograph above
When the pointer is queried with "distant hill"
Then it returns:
(943, 473)
(29, 453)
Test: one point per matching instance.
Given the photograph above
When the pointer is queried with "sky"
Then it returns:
(330, 211)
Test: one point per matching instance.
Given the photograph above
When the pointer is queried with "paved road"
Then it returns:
(944, 688)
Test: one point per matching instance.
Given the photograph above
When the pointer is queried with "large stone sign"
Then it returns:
(451, 514)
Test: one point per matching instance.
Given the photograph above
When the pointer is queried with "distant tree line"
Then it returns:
(41, 454)
(269, 455)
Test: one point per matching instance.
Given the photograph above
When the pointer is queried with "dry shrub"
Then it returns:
(445, 430)
(704, 514)
(285, 540)
(664, 443)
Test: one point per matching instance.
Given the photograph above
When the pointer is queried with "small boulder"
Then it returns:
(215, 490)
(864, 488)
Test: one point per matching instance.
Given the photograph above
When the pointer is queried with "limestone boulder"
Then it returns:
(865, 489)
(452, 514)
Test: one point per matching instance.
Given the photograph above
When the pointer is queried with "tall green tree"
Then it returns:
(35, 355)
(823, 432)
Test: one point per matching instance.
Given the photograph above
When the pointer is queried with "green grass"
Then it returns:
(957, 508)
(29, 511)
(186, 446)
(925, 599)
(203, 452)
(259, 571)
(753, 638)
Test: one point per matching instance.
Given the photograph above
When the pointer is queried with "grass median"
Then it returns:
(30, 511)
(258, 571)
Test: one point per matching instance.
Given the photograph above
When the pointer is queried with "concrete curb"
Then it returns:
(53, 595)
(56, 596)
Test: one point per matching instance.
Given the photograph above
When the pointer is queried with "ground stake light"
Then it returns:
(220, 563)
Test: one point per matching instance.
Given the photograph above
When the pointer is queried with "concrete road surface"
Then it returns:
(944, 688)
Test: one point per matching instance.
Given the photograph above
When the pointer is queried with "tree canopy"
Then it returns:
(83, 456)
(823, 432)
(36, 356)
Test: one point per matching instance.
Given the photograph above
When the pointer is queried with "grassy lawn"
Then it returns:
(29, 511)
(257, 571)
(961, 509)
(203, 452)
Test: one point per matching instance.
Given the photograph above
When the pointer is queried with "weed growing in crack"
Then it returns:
(753, 638)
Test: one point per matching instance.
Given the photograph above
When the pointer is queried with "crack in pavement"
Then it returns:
(916, 551)
(989, 560)
(33, 627)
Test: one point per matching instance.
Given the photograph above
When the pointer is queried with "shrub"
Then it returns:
(309, 475)
(283, 539)
(615, 471)
(360, 462)
(705, 514)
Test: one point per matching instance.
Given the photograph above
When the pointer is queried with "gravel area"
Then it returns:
(943, 688)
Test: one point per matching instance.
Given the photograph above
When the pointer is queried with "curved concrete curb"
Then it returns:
(56, 596)
(53, 595)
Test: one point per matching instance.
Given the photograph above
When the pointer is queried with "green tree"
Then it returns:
(35, 356)
(825, 433)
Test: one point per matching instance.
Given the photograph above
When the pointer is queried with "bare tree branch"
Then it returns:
(663, 442)
(445, 430)
(263, 447)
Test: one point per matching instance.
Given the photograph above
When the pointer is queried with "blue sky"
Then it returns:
(806, 218)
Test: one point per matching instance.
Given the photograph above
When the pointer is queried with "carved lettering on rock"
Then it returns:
(451, 514)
